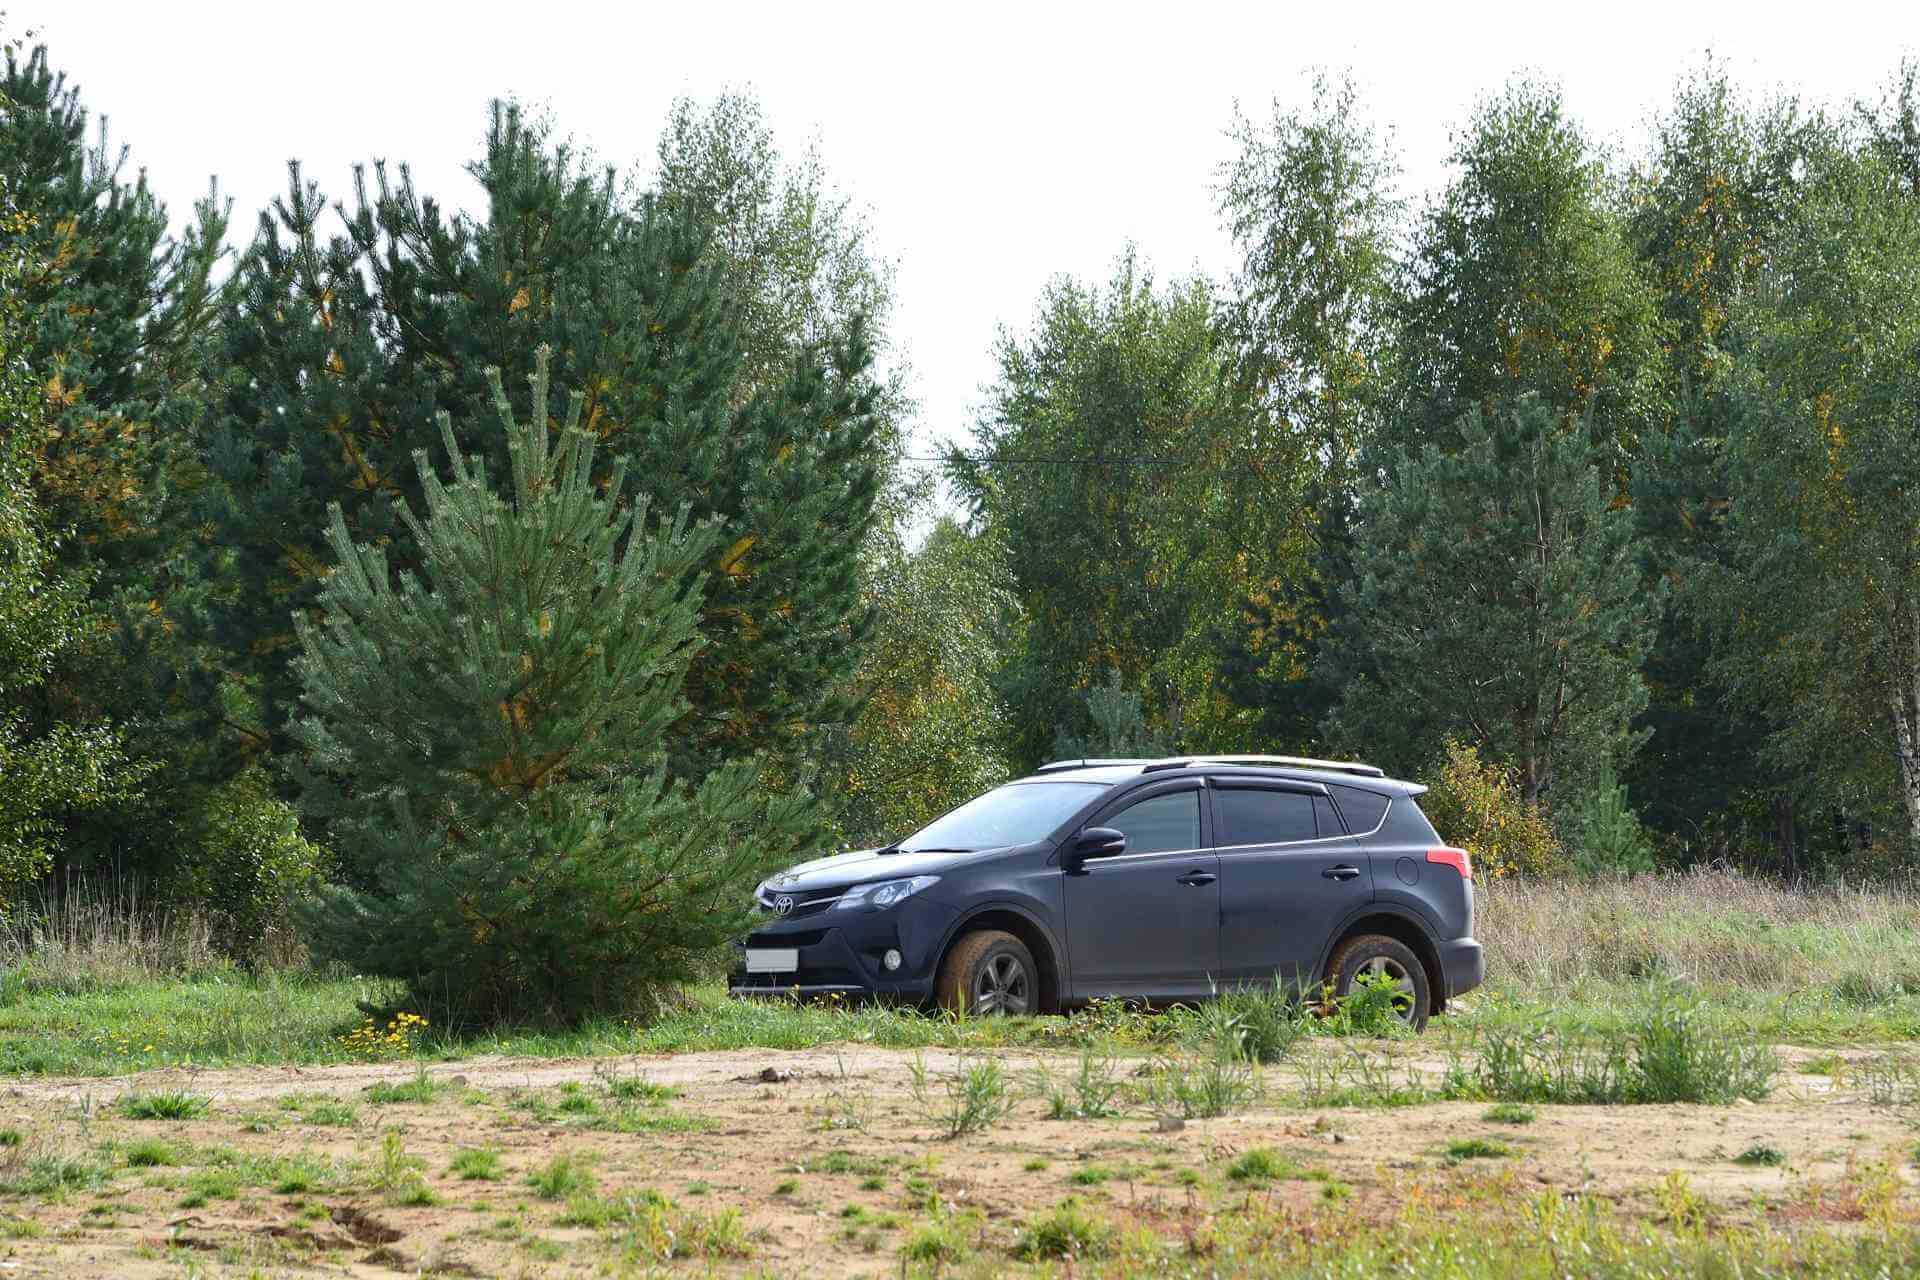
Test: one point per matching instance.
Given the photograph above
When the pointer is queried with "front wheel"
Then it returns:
(988, 972)
(1383, 960)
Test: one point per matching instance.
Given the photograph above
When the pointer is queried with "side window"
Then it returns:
(1160, 824)
(1325, 819)
(1249, 816)
(1362, 809)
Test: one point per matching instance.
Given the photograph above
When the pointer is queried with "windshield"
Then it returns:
(1018, 813)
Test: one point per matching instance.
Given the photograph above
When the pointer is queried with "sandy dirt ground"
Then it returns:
(818, 1162)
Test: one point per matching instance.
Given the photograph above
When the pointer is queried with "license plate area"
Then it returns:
(773, 959)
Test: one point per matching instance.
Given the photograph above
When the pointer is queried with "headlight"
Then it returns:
(886, 893)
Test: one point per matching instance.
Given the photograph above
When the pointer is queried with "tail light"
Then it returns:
(1455, 858)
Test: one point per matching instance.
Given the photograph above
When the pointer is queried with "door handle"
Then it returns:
(1195, 878)
(1342, 872)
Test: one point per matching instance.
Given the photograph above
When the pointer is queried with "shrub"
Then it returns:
(1477, 805)
(245, 863)
(489, 732)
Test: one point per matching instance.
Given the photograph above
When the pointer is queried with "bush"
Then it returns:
(1477, 805)
(490, 734)
(246, 863)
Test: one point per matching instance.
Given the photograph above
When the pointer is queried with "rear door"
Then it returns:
(1146, 922)
(1289, 873)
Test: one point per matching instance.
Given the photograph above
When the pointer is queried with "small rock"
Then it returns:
(1171, 1124)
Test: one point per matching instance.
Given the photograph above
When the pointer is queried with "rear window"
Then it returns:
(1362, 809)
(1249, 816)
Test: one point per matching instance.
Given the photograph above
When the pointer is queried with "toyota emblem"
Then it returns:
(783, 904)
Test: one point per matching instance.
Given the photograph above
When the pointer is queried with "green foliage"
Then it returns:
(1138, 505)
(1671, 1053)
(245, 862)
(1114, 727)
(1497, 599)
(168, 1105)
(500, 715)
(1604, 834)
(337, 362)
(930, 733)
(1524, 284)
(1478, 806)
(1068, 1232)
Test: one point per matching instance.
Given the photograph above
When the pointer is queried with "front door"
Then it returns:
(1289, 873)
(1146, 922)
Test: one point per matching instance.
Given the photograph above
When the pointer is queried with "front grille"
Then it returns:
(805, 938)
(803, 904)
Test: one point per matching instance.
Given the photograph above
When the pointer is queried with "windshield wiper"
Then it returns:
(934, 850)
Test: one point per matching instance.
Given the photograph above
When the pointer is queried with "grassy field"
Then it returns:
(1830, 967)
(1760, 1122)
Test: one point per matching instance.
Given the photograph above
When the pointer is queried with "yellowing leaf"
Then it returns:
(521, 300)
(730, 562)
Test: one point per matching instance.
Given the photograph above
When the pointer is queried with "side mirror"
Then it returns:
(1094, 842)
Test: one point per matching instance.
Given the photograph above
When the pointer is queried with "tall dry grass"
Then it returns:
(1708, 928)
(93, 938)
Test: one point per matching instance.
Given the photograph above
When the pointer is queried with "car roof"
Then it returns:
(1336, 772)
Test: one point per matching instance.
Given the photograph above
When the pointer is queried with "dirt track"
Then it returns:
(766, 1132)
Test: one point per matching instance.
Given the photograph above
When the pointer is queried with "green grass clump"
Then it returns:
(477, 1164)
(1261, 1165)
(942, 1241)
(151, 1153)
(561, 1177)
(1067, 1231)
(1763, 1155)
(170, 1105)
(422, 1088)
(1508, 1113)
(1477, 1149)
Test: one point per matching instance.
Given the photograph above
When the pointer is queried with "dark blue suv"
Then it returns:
(1152, 879)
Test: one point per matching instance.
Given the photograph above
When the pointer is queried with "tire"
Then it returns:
(1377, 953)
(988, 972)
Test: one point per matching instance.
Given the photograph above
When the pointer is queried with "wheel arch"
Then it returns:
(1024, 925)
(1402, 926)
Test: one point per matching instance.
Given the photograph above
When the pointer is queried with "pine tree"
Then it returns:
(47, 771)
(114, 318)
(1498, 600)
(494, 722)
(339, 351)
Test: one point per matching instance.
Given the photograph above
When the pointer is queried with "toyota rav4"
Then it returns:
(1156, 880)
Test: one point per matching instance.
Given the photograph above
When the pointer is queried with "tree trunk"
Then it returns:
(1906, 737)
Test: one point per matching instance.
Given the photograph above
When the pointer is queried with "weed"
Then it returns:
(973, 1096)
(1373, 1007)
(1204, 1088)
(561, 1177)
(787, 1187)
(423, 1088)
(1678, 1058)
(1508, 1113)
(170, 1105)
(1038, 1165)
(847, 1105)
(477, 1164)
(1068, 1231)
(1763, 1155)
(941, 1241)
(10, 1137)
(397, 1175)
(1476, 1149)
(1092, 1175)
(53, 1175)
(1261, 1165)
(209, 1185)
(371, 1042)
(1089, 1094)
(1679, 1203)
(1268, 1020)
(151, 1153)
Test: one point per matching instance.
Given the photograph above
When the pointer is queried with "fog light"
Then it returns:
(891, 959)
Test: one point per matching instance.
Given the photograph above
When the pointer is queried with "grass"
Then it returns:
(92, 992)
(1068, 1231)
(170, 1105)
(562, 1177)
(477, 1164)
(1460, 1149)
(1762, 1155)
(1508, 1113)
(1259, 1165)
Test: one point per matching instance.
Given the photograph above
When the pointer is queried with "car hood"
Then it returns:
(862, 865)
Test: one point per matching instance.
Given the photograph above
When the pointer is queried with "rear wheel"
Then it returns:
(988, 972)
(1382, 960)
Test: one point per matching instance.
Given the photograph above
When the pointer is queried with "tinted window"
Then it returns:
(1325, 819)
(1160, 824)
(1362, 809)
(1020, 813)
(1263, 817)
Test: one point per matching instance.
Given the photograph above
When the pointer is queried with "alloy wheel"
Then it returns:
(1002, 987)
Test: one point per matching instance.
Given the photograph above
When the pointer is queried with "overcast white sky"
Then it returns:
(992, 145)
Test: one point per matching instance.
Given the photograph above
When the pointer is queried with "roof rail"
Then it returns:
(1353, 767)
(1055, 766)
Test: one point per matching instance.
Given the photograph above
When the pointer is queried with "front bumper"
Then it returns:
(1463, 966)
(840, 954)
